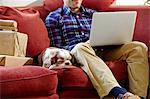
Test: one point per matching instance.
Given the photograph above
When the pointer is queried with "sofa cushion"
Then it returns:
(119, 69)
(72, 76)
(53, 96)
(75, 77)
(99, 5)
(52, 5)
(78, 93)
(31, 24)
(43, 12)
(27, 81)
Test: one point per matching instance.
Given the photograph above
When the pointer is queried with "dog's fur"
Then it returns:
(52, 57)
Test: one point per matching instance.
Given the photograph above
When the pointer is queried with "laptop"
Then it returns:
(112, 28)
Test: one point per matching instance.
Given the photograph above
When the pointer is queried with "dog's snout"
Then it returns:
(67, 63)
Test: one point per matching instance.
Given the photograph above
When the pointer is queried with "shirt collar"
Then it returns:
(67, 10)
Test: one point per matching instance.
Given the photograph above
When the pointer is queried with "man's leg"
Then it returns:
(98, 72)
(135, 54)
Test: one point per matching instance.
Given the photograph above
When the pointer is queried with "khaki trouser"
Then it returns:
(135, 54)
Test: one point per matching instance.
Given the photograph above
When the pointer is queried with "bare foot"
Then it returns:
(128, 95)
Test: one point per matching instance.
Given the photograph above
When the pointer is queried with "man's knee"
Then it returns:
(139, 45)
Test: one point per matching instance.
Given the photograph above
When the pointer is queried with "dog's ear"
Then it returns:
(74, 61)
(40, 60)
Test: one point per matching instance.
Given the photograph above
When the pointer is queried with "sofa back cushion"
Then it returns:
(98, 5)
(31, 24)
(42, 11)
(51, 5)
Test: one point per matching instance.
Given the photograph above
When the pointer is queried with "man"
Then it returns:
(69, 28)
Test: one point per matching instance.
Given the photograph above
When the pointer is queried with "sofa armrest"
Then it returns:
(142, 30)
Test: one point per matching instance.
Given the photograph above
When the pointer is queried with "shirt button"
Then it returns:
(82, 33)
(77, 16)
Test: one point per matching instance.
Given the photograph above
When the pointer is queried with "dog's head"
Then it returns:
(53, 57)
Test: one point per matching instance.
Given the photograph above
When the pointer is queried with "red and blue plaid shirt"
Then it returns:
(66, 29)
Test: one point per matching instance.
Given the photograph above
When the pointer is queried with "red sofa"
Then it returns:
(61, 82)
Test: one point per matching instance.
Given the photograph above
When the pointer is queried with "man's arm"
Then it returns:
(54, 32)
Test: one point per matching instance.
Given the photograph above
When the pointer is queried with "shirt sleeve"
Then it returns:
(54, 32)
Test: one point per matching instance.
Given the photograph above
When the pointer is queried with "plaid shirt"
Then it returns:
(66, 29)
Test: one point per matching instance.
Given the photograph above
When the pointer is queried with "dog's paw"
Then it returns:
(52, 66)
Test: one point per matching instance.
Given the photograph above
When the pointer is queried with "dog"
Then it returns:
(53, 57)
